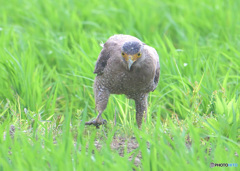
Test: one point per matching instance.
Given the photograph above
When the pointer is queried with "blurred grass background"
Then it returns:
(48, 50)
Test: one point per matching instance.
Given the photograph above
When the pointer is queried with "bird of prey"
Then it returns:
(125, 66)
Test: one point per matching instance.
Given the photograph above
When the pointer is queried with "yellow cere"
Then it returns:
(133, 57)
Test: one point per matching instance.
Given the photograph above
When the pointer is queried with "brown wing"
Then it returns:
(101, 62)
(157, 74)
(153, 55)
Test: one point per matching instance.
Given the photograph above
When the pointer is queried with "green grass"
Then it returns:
(48, 50)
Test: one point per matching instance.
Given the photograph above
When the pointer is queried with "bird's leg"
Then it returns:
(141, 108)
(101, 100)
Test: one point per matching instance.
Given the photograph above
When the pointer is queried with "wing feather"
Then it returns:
(102, 61)
(157, 74)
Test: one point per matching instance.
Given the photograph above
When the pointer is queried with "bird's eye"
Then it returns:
(123, 54)
(139, 54)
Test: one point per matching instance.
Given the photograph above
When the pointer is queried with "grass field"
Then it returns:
(48, 51)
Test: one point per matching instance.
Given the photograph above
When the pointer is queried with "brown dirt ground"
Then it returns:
(120, 143)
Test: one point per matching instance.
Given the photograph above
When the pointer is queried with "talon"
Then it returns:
(96, 123)
(104, 121)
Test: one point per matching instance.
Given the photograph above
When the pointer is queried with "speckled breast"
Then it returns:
(129, 82)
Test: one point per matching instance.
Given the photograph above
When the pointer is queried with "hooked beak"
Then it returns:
(130, 62)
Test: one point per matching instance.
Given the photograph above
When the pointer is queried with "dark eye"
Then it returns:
(123, 54)
(139, 54)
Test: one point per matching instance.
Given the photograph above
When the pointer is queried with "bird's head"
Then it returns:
(131, 52)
